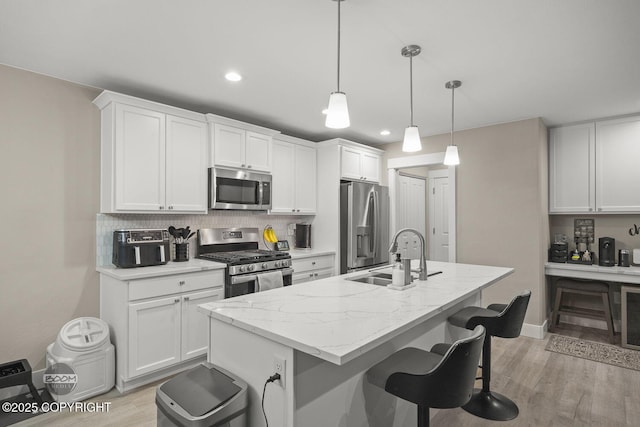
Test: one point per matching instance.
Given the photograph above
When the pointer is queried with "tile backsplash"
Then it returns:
(106, 224)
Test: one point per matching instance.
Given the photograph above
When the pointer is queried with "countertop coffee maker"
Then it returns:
(607, 253)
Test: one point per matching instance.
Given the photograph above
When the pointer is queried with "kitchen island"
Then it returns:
(327, 333)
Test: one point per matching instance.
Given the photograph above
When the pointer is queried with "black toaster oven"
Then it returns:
(140, 247)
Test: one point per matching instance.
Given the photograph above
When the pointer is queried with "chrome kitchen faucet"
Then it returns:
(423, 262)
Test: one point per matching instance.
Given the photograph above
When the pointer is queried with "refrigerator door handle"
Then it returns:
(374, 225)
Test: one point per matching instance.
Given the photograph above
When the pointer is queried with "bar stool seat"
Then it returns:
(440, 378)
(584, 287)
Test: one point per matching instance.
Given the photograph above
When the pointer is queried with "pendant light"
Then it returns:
(451, 157)
(411, 141)
(338, 112)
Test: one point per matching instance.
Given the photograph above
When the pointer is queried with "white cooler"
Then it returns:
(84, 345)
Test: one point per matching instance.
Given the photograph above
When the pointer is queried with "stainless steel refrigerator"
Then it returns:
(364, 226)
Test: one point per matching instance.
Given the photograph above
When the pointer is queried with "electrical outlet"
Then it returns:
(279, 367)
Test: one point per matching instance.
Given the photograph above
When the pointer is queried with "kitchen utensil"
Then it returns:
(172, 230)
(191, 235)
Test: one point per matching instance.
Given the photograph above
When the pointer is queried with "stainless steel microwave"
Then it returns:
(239, 189)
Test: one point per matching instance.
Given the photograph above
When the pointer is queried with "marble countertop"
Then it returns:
(336, 319)
(596, 272)
(172, 267)
(309, 253)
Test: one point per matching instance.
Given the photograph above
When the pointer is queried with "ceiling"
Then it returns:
(564, 61)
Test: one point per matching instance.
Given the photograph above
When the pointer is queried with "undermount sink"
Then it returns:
(380, 279)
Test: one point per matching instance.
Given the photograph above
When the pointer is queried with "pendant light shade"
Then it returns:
(338, 111)
(411, 142)
(451, 157)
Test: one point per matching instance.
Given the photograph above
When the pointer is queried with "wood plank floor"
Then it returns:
(550, 389)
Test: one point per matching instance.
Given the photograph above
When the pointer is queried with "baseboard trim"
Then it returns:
(534, 331)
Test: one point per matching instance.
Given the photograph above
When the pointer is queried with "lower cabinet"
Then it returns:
(312, 268)
(155, 323)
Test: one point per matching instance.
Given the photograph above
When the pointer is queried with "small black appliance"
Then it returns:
(140, 247)
(607, 254)
(624, 258)
(303, 236)
(559, 252)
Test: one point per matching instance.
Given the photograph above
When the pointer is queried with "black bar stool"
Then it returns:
(500, 320)
(440, 378)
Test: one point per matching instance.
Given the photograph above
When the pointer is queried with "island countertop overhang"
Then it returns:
(337, 320)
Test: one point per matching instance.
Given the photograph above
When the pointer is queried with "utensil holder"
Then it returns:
(182, 252)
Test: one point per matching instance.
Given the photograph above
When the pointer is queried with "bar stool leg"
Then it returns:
(484, 403)
(556, 309)
(607, 313)
(423, 416)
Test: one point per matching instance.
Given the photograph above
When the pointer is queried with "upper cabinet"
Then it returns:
(617, 169)
(153, 157)
(293, 176)
(240, 145)
(592, 167)
(360, 164)
(572, 169)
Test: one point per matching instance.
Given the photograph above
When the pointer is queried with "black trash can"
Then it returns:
(205, 396)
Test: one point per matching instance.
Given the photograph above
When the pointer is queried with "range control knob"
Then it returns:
(285, 263)
(242, 269)
(276, 264)
(264, 265)
(251, 267)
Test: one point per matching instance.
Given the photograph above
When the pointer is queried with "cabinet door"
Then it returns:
(228, 146)
(283, 182)
(305, 179)
(617, 165)
(186, 170)
(370, 167)
(195, 325)
(350, 163)
(297, 278)
(154, 335)
(572, 169)
(258, 152)
(139, 159)
(322, 274)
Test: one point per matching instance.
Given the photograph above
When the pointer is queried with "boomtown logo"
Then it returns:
(60, 379)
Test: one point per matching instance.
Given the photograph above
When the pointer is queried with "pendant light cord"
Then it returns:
(453, 88)
(411, 86)
(339, 1)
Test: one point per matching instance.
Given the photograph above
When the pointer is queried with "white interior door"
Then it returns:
(411, 208)
(438, 236)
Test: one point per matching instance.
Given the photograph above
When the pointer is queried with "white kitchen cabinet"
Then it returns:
(572, 169)
(293, 177)
(155, 324)
(617, 165)
(153, 157)
(239, 148)
(360, 164)
(312, 268)
(592, 167)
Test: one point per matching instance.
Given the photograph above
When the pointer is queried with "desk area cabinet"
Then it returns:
(593, 167)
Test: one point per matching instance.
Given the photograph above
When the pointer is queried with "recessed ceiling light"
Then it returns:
(232, 76)
(385, 132)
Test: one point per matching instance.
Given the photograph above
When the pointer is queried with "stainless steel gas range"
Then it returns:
(238, 248)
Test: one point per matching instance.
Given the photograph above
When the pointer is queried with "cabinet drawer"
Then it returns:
(149, 288)
(307, 264)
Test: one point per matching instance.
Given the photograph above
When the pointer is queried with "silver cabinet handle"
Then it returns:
(243, 165)
(176, 300)
(313, 263)
(249, 166)
(161, 207)
(186, 298)
(293, 210)
(315, 274)
(181, 282)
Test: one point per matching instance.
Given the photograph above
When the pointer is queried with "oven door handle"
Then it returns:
(251, 277)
